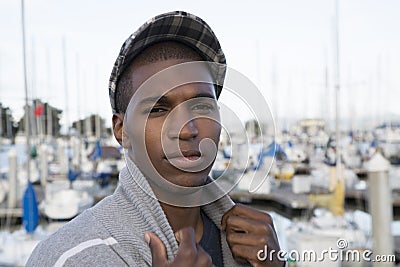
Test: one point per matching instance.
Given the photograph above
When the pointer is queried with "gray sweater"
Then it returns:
(112, 232)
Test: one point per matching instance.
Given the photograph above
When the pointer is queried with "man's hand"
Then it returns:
(189, 253)
(247, 232)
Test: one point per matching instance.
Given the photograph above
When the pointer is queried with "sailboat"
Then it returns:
(65, 199)
(16, 247)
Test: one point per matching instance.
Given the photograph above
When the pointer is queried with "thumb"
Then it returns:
(186, 238)
(157, 248)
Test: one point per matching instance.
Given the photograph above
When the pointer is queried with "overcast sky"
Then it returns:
(283, 46)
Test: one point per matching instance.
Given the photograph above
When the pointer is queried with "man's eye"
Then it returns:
(157, 110)
(203, 107)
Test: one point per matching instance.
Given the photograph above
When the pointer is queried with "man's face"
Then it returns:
(173, 126)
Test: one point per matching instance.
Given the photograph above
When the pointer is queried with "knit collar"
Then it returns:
(139, 193)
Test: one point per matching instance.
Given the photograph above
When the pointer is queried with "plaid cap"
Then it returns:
(177, 26)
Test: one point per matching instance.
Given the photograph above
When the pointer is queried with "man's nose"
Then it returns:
(182, 125)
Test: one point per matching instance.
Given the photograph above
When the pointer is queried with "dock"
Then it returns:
(290, 205)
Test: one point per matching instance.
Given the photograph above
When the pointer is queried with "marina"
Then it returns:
(296, 195)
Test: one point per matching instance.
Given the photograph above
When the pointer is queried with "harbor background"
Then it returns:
(297, 53)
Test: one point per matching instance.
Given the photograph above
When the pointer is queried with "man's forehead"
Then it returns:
(170, 77)
(183, 92)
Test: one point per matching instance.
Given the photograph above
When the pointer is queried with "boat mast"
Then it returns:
(325, 109)
(337, 93)
(27, 112)
(49, 111)
(78, 121)
(67, 110)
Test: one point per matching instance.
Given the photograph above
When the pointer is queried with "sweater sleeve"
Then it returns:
(78, 243)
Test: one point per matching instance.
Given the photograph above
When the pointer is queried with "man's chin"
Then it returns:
(187, 179)
(169, 175)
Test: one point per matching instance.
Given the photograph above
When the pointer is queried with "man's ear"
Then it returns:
(118, 123)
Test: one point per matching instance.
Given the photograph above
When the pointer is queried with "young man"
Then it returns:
(166, 116)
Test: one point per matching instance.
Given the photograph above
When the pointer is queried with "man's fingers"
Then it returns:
(158, 252)
(247, 239)
(242, 252)
(248, 212)
(190, 253)
(203, 258)
(186, 238)
(239, 224)
(187, 246)
(247, 232)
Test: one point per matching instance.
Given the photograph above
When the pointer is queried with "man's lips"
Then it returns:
(188, 154)
(187, 159)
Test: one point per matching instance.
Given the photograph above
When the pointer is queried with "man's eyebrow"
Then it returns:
(164, 99)
(154, 99)
(204, 95)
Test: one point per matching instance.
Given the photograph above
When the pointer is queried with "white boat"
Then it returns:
(321, 233)
(66, 204)
(63, 203)
(388, 136)
(255, 180)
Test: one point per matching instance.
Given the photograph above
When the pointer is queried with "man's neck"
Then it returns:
(179, 217)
